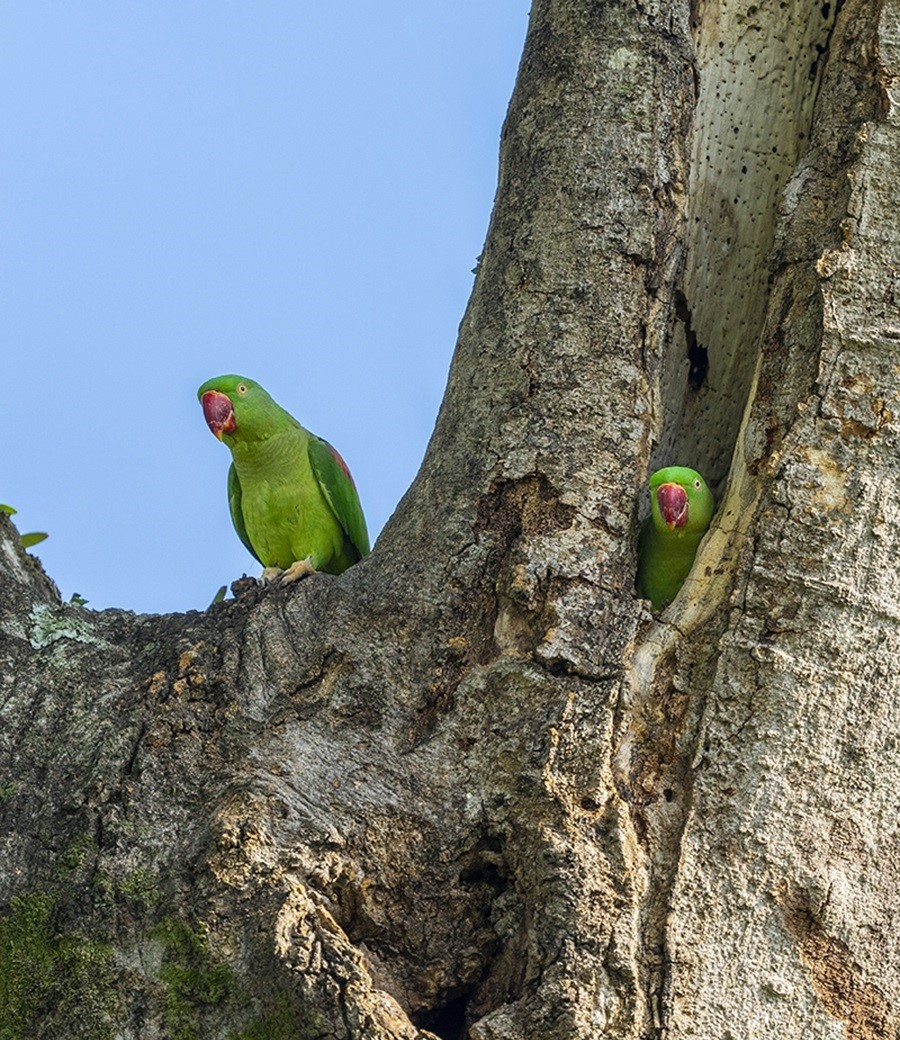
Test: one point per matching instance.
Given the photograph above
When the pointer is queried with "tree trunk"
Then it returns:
(471, 787)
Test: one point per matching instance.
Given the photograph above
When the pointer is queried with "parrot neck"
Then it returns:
(679, 544)
(269, 455)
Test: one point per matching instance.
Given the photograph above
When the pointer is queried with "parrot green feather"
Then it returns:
(234, 504)
(681, 508)
(337, 486)
(291, 495)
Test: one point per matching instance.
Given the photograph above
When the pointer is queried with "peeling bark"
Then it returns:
(471, 787)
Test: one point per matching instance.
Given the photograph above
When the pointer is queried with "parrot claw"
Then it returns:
(278, 575)
(298, 569)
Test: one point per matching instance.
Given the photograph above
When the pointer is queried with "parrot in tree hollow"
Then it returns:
(293, 502)
(681, 507)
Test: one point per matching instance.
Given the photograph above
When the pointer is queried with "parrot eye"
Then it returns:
(242, 388)
(697, 485)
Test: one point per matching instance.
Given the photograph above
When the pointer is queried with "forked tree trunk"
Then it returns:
(471, 787)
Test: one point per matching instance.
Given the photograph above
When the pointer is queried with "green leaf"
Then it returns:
(220, 595)
(26, 540)
(77, 599)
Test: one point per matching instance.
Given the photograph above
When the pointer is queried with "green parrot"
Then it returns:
(293, 502)
(681, 507)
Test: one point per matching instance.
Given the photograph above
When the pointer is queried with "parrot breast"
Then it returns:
(218, 412)
(673, 504)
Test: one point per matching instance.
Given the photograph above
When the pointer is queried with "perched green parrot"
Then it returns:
(293, 502)
(681, 507)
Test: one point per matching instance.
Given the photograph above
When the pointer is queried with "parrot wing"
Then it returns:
(340, 492)
(237, 517)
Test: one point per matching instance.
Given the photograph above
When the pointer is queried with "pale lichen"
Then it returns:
(47, 625)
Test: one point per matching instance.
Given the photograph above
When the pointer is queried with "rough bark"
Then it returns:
(471, 787)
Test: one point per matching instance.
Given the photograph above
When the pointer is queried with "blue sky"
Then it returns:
(295, 192)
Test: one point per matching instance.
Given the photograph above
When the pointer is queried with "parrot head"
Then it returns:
(680, 500)
(236, 408)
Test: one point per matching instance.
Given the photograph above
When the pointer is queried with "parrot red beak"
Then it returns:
(673, 504)
(218, 413)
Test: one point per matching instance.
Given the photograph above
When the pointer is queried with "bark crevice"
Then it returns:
(759, 70)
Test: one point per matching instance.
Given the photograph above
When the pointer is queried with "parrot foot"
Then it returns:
(270, 575)
(298, 569)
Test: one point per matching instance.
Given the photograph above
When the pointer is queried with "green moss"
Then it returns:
(72, 858)
(193, 980)
(280, 1024)
(197, 985)
(283, 1021)
(141, 888)
(51, 978)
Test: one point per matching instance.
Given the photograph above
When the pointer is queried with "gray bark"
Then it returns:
(472, 787)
